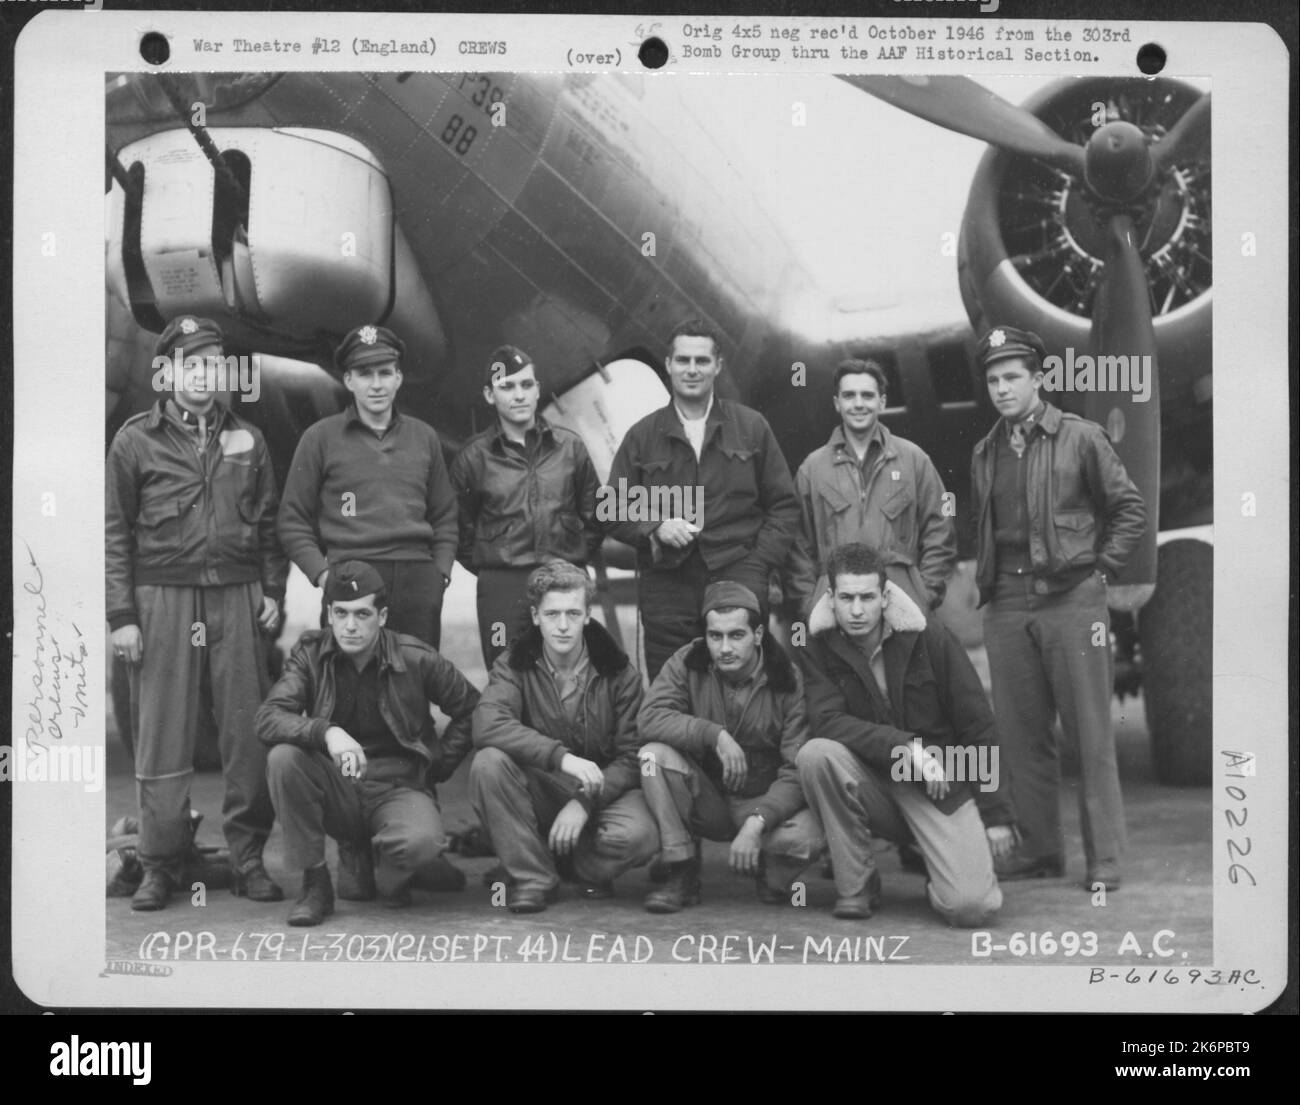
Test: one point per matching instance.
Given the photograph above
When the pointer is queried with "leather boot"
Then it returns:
(680, 889)
(1019, 865)
(153, 892)
(256, 885)
(912, 859)
(317, 899)
(860, 907)
(356, 871)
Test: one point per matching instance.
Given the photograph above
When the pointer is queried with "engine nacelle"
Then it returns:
(1029, 241)
(601, 408)
(1033, 244)
(300, 250)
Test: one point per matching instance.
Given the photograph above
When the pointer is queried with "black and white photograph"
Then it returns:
(743, 494)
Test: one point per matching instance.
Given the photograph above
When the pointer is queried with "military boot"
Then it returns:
(356, 871)
(317, 899)
(153, 892)
(680, 889)
(256, 885)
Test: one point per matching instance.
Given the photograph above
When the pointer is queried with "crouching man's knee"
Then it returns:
(490, 768)
(966, 909)
(635, 843)
(797, 840)
(820, 755)
(408, 850)
(292, 774)
(656, 758)
(284, 759)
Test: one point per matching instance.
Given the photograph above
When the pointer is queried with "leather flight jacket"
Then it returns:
(1084, 511)
(411, 675)
(521, 508)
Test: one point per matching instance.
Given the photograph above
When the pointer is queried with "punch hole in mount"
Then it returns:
(154, 48)
(1151, 59)
(653, 53)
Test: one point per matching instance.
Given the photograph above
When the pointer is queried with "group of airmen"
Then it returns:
(792, 754)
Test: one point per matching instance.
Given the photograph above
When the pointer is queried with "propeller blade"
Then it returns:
(1192, 130)
(1122, 328)
(960, 104)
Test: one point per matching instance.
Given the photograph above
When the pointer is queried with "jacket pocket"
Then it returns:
(565, 535)
(1076, 534)
(491, 540)
(898, 511)
(833, 500)
(832, 521)
(234, 501)
(156, 514)
(249, 508)
(897, 503)
(493, 529)
(163, 535)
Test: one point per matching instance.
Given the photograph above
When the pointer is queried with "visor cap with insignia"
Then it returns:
(1007, 341)
(352, 580)
(187, 333)
(368, 345)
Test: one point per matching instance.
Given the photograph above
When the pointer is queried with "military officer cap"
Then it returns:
(351, 580)
(506, 360)
(368, 345)
(1007, 341)
(187, 333)
(726, 594)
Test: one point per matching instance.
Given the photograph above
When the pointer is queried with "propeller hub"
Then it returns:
(1117, 161)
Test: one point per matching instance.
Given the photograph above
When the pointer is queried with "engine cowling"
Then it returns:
(300, 248)
(1031, 239)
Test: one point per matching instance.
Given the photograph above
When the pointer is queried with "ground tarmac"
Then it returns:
(1164, 906)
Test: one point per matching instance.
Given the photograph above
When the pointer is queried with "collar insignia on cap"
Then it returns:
(368, 335)
(997, 338)
(188, 326)
(354, 584)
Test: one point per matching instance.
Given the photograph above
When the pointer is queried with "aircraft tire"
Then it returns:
(1176, 632)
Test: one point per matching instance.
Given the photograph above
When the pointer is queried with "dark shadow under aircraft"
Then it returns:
(580, 218)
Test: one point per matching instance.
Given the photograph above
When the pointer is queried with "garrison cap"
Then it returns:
(1006, 341)
(725, 593)
(368, 345)
(510, 358)
(351, 580)
(187, 333)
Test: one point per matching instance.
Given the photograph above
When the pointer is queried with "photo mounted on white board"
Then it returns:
(885, 487)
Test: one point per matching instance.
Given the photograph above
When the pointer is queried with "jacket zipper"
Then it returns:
(740, 721)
